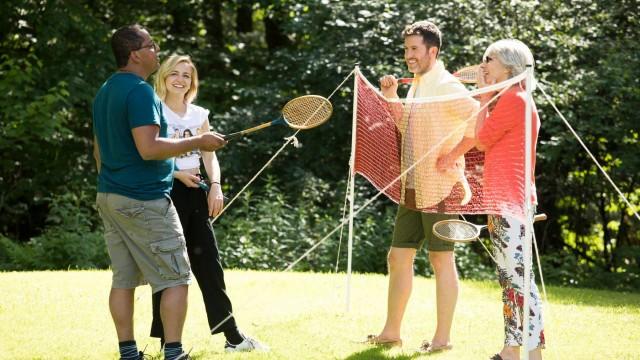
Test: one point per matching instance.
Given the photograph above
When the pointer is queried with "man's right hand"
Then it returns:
(389, 86)
(211, 141)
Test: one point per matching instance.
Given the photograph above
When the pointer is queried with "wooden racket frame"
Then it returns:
(282, 119)
(461, 74)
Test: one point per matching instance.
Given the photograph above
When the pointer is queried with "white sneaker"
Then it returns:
(248, 344)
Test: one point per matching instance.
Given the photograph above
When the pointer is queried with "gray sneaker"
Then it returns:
(248, 344)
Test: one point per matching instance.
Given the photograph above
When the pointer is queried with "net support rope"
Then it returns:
(575, 134)
(288, 140)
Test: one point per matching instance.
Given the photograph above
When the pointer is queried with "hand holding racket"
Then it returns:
(464, 231)
(302, 113)
(466, 75)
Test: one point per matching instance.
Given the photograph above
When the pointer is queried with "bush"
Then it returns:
(58, 249)
(70, 242)
(12, 255)
(273, 228)
(564, 268)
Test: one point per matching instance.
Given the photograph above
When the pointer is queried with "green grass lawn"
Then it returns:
(64, 315)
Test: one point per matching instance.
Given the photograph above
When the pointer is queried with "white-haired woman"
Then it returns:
(500, 133)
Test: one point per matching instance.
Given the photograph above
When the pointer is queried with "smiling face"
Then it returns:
(417, 55)
(494, 71)
(178, 81)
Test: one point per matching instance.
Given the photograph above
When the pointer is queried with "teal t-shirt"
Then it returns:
(125, 101)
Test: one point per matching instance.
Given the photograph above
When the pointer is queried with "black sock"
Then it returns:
(128, 350)
(234, 337)
(172, 350)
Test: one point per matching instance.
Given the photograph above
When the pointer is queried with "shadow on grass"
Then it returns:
(380, 353)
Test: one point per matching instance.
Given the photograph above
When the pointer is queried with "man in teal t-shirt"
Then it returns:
(126, 102)
(135, 164)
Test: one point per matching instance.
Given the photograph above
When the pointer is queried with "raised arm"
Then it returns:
(389, 89)
(153, 147)
(482, 116)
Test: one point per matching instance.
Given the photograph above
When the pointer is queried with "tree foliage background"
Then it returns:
(252, 57)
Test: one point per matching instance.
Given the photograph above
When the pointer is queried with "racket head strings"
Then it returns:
(456, 230)
(468, 75)
(307, 111)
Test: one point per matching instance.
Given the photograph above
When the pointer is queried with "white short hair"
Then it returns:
(513, 54)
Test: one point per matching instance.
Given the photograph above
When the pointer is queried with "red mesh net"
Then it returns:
(399, 142)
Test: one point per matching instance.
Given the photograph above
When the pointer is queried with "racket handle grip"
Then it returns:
(540, 217)
(405, 80)
(233, 136)
(238, 134)
(203, 186)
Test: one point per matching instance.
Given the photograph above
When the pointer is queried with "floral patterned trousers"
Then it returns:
(507, 236)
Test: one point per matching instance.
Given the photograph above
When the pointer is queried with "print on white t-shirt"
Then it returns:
(180, 127)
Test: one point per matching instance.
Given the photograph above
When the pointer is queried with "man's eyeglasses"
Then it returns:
(151, 46)
(487, 59)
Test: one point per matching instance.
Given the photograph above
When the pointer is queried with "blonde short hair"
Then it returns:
(168, 66)
(513, 54)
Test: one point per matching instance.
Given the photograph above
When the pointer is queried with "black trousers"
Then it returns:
(202, 247)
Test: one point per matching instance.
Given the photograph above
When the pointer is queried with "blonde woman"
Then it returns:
(195, 199)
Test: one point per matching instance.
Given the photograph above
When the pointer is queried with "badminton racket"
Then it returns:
(302, 113)
(464, 231)
(467, 75)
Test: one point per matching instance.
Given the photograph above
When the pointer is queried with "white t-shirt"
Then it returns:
(179, 127)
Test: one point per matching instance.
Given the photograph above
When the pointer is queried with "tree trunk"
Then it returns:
(244, 17)
(213, 22)
(274, 36)
(182, 26)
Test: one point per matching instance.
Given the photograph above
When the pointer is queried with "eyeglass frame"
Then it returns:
(152, 46)
(487, 59)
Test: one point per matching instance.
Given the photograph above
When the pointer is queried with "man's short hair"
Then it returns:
(124, 41)
(431, 35)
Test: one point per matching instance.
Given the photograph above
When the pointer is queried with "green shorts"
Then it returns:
(413, 228)
(145, 242)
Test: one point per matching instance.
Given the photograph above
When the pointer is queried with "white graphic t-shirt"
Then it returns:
(180, 127)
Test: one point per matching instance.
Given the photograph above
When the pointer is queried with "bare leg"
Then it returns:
(173, 311)
(535, 354)
(400, 262)
(121, 307)
(444, 266)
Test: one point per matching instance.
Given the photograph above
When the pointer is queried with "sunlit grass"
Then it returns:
(64, 315)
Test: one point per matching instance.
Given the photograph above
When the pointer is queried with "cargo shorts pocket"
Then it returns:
(171, 258)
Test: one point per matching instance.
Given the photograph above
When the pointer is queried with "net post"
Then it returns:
(528, 211)
(351, 195)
